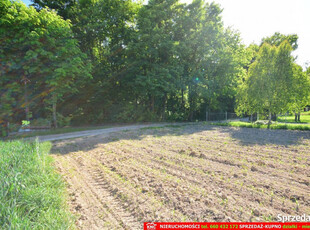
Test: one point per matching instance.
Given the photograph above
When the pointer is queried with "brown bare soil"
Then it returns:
(185, 173)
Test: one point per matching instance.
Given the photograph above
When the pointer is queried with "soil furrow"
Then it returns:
(191, 173)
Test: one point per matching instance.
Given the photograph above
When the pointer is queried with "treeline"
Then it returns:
(95, 61)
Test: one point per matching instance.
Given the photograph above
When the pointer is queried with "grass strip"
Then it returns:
(32, 194)
(272, 126)
(291, 119)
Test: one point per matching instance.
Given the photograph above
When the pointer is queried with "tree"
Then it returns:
(278, 38)
(212, 58)
(62, 7)
(183, 59)
(308, 71)
(300, 96)
(151, 53)
(162, 60)
(39, 54)
(200, 41)
(104, 29)
(7, 104)
(268, 84)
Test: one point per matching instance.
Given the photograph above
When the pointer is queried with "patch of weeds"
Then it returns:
(114, 139)
(162, 127)
(224, 202)
(174, 126)
(153, 127)
(32, 194)
(268, 218)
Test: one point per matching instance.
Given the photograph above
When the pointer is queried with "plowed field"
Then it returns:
(185, 173)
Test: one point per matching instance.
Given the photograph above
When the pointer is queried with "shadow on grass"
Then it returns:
(245, 136)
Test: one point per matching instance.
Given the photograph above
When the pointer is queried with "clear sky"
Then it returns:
(256, 19)
(27, 2)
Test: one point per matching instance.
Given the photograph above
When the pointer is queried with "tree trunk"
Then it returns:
(26, 100)
(182, 103)
(191, 103)
(54, 111)
(7, 128)
(269, 120)
(153, 104)
(191, 112)
(164, 108)
(298, 116)
(4, 128)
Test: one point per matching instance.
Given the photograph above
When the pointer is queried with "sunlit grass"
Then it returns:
(32, 195)
(304, 118)
(272, 126)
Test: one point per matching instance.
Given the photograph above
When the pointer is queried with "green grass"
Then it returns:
(32, 195)
(305, 113)
(273, 126)
(304, 118)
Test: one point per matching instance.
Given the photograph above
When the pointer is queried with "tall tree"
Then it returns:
(153, 68)
(39, 54)
(267, 87)
(300, 96)
(104, 29)
(211, 57)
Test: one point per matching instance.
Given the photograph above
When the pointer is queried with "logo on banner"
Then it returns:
(151, 226)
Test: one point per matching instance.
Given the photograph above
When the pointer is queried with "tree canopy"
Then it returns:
(278, 38)
(97, 61)
(40, 57)
(274, 84)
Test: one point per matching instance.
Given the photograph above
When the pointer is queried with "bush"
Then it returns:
(131, 113)
(14, 127)
(40, 122)
(63, 121)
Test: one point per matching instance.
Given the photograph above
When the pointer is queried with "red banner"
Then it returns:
(229, 225)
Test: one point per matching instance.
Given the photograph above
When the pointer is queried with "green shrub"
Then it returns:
(40, 122)
(62, 121)
(14, 127)
(131, 113)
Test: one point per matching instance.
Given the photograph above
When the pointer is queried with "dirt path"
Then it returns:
(185, 173)
(88, 133)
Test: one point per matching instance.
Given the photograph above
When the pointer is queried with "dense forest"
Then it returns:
(96, 61)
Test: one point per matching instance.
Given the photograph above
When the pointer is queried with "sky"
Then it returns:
(256, 19)
(27, 2)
